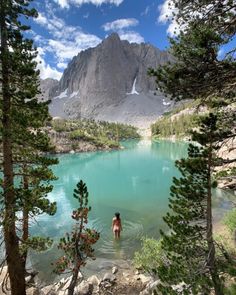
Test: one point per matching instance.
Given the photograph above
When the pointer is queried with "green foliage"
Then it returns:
(189, 245)
(77, 245)
(226, 173)
(231, 290)
(150, 257)
(230, 220)
(197, 71)
(26, 169)
(38, 244)
(186, 245)
(180, 126)
(226, 240)
(100, 133)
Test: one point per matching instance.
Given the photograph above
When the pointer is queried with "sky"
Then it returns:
(66, 27)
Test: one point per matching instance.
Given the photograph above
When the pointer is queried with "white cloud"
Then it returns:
(132, 37)
(66, 49)
(166, 16)
(62, 65)
(67, 3)
(166, 9)
(41, 19)
(63, 3)
(65, 42)
(46, 71)
(120, 24)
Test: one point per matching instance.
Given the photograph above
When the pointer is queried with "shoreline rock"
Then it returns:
(122, 282)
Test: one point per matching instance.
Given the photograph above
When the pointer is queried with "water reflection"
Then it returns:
(118, 249)
(171, 150)
(135, 182)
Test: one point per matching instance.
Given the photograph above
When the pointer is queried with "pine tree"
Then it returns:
(77, 245)
(23, 140)
(199, 73)
(190, 246)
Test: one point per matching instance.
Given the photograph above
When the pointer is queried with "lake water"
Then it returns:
(134, 181)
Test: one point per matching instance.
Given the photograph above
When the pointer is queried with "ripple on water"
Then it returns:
(122, 248)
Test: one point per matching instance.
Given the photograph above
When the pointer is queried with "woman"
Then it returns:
(116, 225)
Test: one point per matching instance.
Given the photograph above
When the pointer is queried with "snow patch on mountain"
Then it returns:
(133, 91)
(62, 94)
(75, 93)
(165, 103)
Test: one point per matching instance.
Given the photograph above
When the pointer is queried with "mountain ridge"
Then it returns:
(110, 82)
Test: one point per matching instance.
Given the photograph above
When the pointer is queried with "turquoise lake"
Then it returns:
(134, 181)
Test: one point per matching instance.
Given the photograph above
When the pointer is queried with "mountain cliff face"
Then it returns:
(110, 82)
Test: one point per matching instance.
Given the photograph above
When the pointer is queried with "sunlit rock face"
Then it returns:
(110, 82)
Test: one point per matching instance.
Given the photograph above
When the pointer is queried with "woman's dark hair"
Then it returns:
(117, 215)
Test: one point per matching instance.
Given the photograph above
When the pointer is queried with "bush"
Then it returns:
(151, 255)
(230, 220)
(231, 290)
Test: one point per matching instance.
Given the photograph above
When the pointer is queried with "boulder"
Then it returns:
(49, 290)
(84, 288)
(109, 277)
(151, 286)
(34, 291)
(3, 273)
(114, 269)
(93, 280)
(144, 279)
(27, 279)
(65, 284)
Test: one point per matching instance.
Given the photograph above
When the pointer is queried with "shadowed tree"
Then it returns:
(23, 140)
(199, 73)
(190, 246)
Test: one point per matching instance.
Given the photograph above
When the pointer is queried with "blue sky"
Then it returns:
(65, 27)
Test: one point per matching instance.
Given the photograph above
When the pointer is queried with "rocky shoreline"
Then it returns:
(62, 144)
(117, 280)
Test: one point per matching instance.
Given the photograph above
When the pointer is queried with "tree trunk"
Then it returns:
(73, 282)
(211, 261)
(25, 225)
(15, 269)
(78, 258)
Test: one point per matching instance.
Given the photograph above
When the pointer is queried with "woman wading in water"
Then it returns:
(116, 225)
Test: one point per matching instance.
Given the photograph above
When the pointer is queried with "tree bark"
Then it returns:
(211, 260)
(15, 269)
(73, 282)
(25, 225)
(77, 259)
